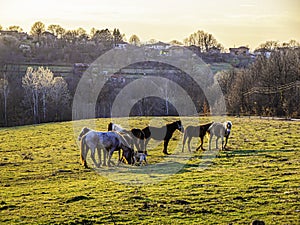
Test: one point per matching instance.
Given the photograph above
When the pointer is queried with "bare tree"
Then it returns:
(59, 96)
(57, 30)
(37, 29)
(30, 82)
(37, 84)
(4, 88)
(202, 39)
(134, 40)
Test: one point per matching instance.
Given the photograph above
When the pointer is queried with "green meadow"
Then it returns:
(257, 178)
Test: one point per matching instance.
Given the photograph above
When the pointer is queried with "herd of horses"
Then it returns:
(119, 139)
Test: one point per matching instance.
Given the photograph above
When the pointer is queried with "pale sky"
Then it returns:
(232, 22)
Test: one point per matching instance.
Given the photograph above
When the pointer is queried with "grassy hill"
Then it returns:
(42, 181)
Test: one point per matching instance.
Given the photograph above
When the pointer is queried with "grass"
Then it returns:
(42, 181)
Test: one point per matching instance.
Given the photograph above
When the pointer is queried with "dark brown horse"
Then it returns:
(161, 133)
(195, 131)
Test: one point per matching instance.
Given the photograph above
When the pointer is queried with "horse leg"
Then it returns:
(217, 142)
(104, 156)
(189, 143)
(210, 140)
(166, 142)
(145, 145)
(183, 141)
(222, 138)
(119, 161)
(93, 156)
(99, 156)
(226, 139)
(201, 144)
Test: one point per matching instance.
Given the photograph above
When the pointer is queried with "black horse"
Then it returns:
(195, 131)
(161, 133)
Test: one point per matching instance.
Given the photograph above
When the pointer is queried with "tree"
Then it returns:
(56, 30)
(1, 28)
(37, 84)
(176, 42)
(60, 97)
(134, 40)
(37, 29)
(269, 45)
(203, 40)
(4, 88)
(103, 36)
(15, 28)
(117, 36)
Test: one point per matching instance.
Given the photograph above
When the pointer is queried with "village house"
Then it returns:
(214, 50)
(263, 51)
(158, 46)
(121, 45)
(239, 51)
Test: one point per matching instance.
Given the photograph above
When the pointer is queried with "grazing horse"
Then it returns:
(162, 133)
(109, 141)
(220, 130)
(133, 137)
(195, 131)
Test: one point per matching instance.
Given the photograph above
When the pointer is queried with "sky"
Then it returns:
(232, 22)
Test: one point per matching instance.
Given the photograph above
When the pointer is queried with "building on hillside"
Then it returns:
(214, 50)
(158, 46)
(19, 35)
(263, 51)
(242, 50)
(121, 45)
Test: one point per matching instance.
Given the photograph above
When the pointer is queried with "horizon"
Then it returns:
(234, 23)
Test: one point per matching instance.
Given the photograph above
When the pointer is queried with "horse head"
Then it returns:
(179, 126)
(228, 126)
(83, 132)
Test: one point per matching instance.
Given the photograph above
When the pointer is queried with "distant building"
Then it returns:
(263, 51)
(19, 35)
(239, 51)
(121, 45)
(158, 46)
(214, 50)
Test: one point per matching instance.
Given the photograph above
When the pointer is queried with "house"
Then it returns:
(263, 51)
(121, 45)
(19, 35)
(158, 46)
(214, 50)
(242, 50)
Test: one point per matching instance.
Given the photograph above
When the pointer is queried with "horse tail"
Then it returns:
(110, 126)
(208, 130)
(83, 151)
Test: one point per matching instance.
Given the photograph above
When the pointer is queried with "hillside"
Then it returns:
(42, 181)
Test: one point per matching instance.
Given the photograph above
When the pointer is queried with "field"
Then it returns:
(43, 182)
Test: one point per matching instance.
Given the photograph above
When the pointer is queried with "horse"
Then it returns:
(89, 140)
(162, 133)
(133, 137)
(116, 127)
(109, 141)
(195, 131)
(220, 130)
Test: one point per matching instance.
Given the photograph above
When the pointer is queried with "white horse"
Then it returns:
(108, 141)
(220, 130)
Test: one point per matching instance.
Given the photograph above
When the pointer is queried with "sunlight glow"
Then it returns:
(232, 22)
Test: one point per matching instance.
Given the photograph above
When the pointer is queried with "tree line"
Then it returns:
(268, 87)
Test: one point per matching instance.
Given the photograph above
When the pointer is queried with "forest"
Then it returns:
(39, 73)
